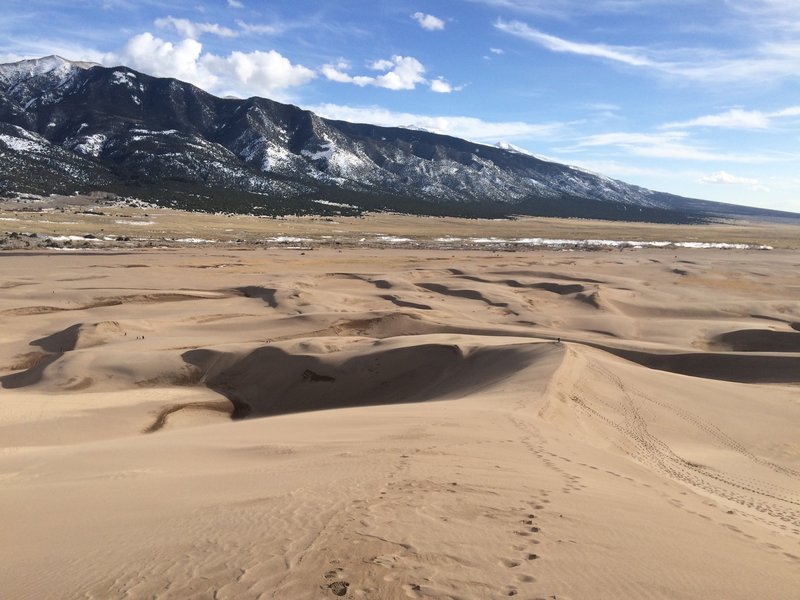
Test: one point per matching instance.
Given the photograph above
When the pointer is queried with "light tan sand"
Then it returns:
(466, 452)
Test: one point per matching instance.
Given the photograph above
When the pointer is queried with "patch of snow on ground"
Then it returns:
(562, 243)
(339, 204)
(285, 239)
(392, 239)
(71, 238)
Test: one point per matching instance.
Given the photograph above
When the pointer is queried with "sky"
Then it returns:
(699, 98)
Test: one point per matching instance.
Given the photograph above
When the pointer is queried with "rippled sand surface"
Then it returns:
(396, 423)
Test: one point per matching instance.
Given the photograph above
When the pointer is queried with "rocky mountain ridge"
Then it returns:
(78, 126)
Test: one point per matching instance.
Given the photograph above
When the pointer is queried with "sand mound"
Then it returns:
(556, 288)
(390, 325)
(405, 303)
(265, 294)
(81, 335)
(32, 374)
(460, 293)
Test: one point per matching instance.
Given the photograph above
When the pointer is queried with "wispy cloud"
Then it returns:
(194, 30)
(670, 145)
(770, 15)
(556, 44)
(470, 128)
(737, 118)
(725, 178)
(260, 28)
(767, 61)
(564, 9)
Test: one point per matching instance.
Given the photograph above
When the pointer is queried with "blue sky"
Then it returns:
(695, 97)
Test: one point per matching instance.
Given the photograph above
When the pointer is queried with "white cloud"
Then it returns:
(737, 118)
(336, 73)
(262, 73)
(769, 60)
(258, 28)
(792, 111)
(556, 44)
(671, 144)
(242, 74)
(565, 8)
(193, 30)
(402, 73)
(770, 15)
(440, 86)
(235, 4)
(470, 128)
(725, 178)
(428, 22)
(381, 65)
(497, 51)
(154, 56)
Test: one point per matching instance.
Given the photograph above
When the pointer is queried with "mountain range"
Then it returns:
(68, 126)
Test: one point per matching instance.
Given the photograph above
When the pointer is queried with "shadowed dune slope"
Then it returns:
(744, 368)
(760, 340)
(271, 381)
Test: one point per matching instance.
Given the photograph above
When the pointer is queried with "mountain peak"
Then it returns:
(42, 65)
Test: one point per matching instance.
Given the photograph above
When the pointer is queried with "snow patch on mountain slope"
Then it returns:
(339, 161)
(91, 145)
(125, 78)
(24, 141)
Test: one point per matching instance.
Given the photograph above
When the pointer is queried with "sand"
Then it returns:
(393, 423)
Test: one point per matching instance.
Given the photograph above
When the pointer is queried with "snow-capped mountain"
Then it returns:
(66, 126)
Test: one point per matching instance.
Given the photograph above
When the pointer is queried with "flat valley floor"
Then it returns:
(236, 423)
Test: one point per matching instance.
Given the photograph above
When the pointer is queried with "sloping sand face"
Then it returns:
(400, 424)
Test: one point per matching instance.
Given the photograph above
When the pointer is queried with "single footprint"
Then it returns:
(507, 562)
(339, 588)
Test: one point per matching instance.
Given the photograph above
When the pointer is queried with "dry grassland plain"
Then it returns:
(305, 417)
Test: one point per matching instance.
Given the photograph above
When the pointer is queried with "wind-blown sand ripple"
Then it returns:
(400, 424)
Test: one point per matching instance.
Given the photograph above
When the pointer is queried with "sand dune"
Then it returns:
(400, 424)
